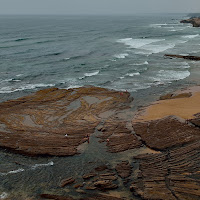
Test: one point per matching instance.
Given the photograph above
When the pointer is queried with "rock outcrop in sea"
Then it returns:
(196, 58)
(194, 21)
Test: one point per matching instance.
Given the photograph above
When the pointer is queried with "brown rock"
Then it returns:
(167, 132)
(176, 96)
(108, 176)
(194, 21)
(173, 174)
(88, 176)
(105, 185)
(67, 182)
(124, 169)
(55, 121)
(81, 191)
(118, 137)
(90, 186)
(78, 185)
(101, 168)
(196, 120)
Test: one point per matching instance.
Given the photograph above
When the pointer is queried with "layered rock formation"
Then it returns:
(56, 121)
(194, 21)
(172, 173)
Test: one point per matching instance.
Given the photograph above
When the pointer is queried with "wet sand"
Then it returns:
(184, 108)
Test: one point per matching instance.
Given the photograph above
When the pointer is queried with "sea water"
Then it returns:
(121, 53)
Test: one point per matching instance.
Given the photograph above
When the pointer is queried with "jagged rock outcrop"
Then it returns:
(56, 121)
(194, 21)
(184, 57)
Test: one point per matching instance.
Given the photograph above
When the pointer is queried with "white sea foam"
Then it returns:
(12, 172)
(157, 48)
(190, 36)
(4, 195)
(157, 25)
(113, 60)
(184, 65)
(10, 89)
(18, 75)
(10, 80)
(133, 74)
(66, 58)
(42, 165)
(184, 54)
(169, 27)
(144, 63)
(122, 55)
(137, 43)
(92, 73)
(171, 75)
(73, 86)
(6, 80)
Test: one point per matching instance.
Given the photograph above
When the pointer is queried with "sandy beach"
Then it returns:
(178, 105)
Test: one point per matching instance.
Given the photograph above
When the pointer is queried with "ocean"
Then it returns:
(115, 52)
(120, 53)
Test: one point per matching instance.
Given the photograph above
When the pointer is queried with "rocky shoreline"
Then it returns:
(194, 21)
(59, 122)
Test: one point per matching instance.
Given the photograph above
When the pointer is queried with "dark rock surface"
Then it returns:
(194, 21)
(165, 133)
(184, 57)
(170, 175)
(93, 197)
(118, 136)
(124, 169)
(67, 182)
(176, 96)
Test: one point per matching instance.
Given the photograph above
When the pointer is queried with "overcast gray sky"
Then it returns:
(97, 6)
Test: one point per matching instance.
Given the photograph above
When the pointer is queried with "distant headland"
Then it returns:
(194, 19)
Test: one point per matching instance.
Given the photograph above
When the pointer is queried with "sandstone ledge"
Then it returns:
(56, 121)
(173, 172)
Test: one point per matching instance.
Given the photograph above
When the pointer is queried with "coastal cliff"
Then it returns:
(194, 21)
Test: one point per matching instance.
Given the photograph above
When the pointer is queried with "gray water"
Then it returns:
(121, 53)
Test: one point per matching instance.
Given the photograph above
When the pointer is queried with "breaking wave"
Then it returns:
(190, 36)
(122, 55)
(92, 73)
(10, 89)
